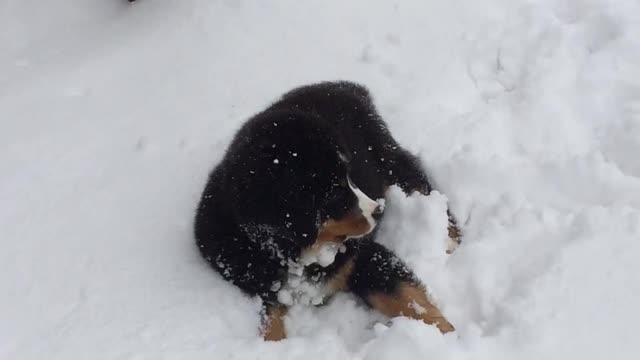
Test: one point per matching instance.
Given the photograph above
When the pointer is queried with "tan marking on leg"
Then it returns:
(272, 328)
(340, 280)
(410, 301)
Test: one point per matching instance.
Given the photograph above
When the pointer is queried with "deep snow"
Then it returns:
(527, 114)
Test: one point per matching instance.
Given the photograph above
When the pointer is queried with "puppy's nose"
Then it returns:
(377, 212)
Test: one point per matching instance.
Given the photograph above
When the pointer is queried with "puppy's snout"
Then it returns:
(377, 213)
(371, 209)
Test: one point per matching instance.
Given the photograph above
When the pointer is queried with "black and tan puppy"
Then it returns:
(306, 171)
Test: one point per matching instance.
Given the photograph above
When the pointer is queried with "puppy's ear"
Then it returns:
(277, 198)
(279, 173)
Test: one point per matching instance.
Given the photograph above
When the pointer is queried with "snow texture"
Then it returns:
(527, 114)
(323, 254)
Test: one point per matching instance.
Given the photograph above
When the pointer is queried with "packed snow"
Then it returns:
(322, 254)
(526, 113)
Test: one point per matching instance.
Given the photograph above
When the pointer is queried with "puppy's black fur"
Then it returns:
(284, 175)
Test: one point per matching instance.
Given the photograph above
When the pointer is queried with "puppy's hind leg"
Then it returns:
(385, 283)
(411, 301)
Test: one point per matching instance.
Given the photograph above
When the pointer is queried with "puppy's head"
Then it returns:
(291, 176)
(346, 211)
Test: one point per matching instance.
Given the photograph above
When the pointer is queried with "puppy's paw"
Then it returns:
(455, 236)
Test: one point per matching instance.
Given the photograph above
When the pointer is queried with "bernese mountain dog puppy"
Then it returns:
(309, 172)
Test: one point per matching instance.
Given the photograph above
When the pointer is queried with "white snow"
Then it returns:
(527, 114)
(323, 254)
(299, 288)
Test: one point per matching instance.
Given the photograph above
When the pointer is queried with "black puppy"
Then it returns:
(307, 171)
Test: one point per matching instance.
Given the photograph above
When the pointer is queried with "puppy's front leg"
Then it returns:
(408, 173)
(272, 328)
(454, 233)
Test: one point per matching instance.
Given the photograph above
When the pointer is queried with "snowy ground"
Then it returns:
(526, 112)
